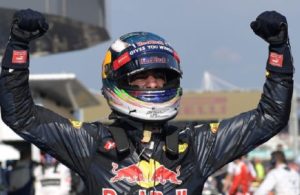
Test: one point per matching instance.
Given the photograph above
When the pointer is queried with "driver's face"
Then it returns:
(148, 79)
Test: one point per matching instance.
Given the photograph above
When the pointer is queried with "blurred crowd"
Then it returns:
(47, 177)
(244, 176)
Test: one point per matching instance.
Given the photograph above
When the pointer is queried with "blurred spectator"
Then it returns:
(3, 180)
(281, 179)
(20, 177)
(239, 178)
(228, 178)
(51, 177)
(252, 171)
(296, 164)
(279, 147)
(210, 187)
(260, 172)
(219, 177)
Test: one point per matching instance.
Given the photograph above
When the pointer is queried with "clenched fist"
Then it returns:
(272, 27)
(28, 25)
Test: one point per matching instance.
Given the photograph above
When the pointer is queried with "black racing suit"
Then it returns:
(89, 149)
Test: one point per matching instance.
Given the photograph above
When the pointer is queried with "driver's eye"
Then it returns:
(145, 75)
(138, 76)
(159, 75)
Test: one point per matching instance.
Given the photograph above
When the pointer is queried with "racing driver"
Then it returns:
(140, 152)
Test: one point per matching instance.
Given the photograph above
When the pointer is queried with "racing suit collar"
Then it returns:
(136, 129)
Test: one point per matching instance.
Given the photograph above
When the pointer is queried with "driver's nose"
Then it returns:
(153, 82)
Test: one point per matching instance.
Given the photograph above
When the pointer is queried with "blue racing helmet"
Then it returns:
(134, 53)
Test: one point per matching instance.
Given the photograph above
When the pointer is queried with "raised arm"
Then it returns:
(238, 135)
(51, 132)
(17, 106)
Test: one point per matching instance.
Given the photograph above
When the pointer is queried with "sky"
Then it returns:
(213, 36)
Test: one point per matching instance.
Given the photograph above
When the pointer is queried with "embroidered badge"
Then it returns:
(276, 59)
(19, 57)
(109, 145)
(76, 124)
(214, 127)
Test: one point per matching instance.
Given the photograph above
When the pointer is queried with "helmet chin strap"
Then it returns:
(148, 129)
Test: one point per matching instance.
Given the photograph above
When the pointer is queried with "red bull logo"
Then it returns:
(109, 191)
(163, 175)
(146, 174)
(131, 174)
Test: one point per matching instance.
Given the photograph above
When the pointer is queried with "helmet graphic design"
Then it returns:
(134, 53)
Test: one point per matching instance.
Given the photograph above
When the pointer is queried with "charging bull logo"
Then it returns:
(146, 174)
(131, 174)
(163, 175)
